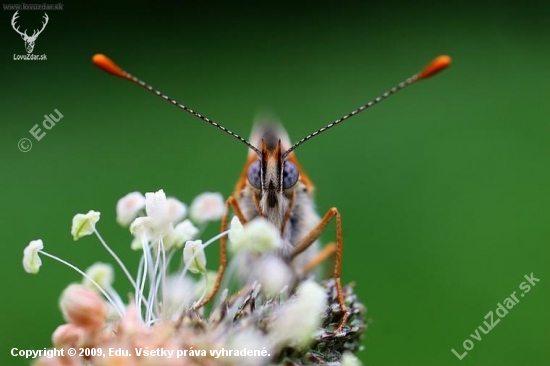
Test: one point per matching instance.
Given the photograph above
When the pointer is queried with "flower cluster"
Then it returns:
(278, 320)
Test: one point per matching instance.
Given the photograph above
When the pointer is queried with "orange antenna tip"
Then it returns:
(440, 63)
(106, 64)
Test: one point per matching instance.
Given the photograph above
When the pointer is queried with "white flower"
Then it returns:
(183, 232)
(84, 224)
(136, 244)
(128, 207)
(161, 212)
(101, 273)
(179, 294)
(258, 236)
(175, 209)
(141, 227)
(236, 229)
(186, 230)
(31, 260)
(207, 207)
(299, 321)
(349, 359)
(274, 275)
(250, 339)
(155, 205)
(194, 257)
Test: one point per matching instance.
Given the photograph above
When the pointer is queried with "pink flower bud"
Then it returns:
(83, 307)
(131, 325)
(67, 335)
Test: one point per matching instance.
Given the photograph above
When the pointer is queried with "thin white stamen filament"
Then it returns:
(116, 297)
(205, 274)
(120, 311)
(202, 227)
(159, 279)
(163, 270)
(191, 260)
(139, 275)
(152, 287)
(230, 272)
(146, 263)
(117, 259)
(147, 253)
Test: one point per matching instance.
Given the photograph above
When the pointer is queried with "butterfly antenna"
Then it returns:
(106, 64)
(437, 65)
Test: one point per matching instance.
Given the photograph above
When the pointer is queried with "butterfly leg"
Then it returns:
(327, 251)
(231, 201)
(314, 235)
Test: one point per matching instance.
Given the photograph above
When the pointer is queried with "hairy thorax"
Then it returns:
(301, 222)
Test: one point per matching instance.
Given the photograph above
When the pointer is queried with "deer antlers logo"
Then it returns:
(29, 40)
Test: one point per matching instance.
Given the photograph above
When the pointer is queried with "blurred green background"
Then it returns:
(443, 188)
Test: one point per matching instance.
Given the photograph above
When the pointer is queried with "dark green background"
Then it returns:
(443, 188)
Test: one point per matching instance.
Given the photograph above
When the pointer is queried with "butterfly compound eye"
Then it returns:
(254, 175)
(290, 175)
